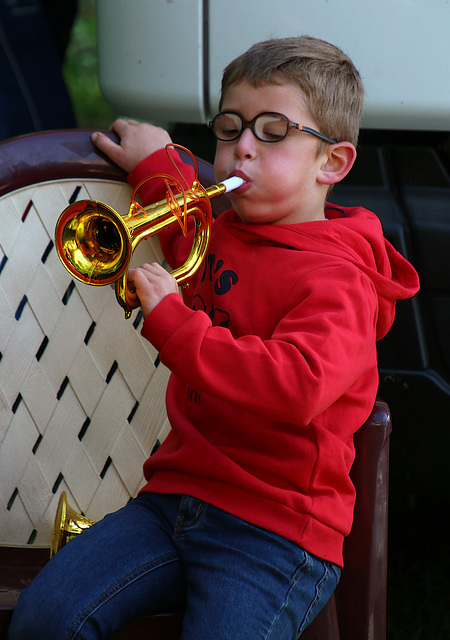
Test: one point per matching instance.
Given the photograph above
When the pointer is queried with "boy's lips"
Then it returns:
(244, 187)
(241, 174)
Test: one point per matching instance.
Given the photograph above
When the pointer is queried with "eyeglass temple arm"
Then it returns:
(316, 133)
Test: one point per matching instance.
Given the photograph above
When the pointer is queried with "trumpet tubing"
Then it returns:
(96, 244)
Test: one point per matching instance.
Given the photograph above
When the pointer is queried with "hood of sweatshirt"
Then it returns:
(352, 234)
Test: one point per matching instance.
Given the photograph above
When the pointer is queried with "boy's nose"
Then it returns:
(246, 144)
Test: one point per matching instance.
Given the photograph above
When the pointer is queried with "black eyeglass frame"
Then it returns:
(250, 124)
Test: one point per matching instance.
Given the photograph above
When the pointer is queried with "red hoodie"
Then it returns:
(274, 366)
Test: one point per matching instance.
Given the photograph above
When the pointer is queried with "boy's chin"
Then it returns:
(245, 217)
(246, 213)
(249, 217)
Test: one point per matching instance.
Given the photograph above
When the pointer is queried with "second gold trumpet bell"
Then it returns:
(68, 525)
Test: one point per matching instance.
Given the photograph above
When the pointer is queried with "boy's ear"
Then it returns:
(339, 160)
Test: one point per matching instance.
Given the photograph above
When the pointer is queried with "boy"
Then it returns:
(274, 369)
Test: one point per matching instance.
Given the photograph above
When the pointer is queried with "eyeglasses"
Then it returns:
(267, 127)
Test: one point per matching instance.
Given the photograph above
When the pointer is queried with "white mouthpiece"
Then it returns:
(232, 183)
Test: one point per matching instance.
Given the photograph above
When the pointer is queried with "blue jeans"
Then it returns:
(165, 552)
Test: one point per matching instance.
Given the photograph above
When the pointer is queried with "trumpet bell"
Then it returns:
(92, 242)
(68, 525)
(95, 243)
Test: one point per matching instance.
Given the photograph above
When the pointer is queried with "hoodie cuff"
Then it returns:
(166, 318)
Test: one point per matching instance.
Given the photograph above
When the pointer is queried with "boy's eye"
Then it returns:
(270, 128)
(229, 131)
(228, 127)
(271, 134)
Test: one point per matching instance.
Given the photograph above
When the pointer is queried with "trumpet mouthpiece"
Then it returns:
(232, 183)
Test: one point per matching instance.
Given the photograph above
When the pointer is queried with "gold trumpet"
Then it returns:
(68, 525)
(95, 243)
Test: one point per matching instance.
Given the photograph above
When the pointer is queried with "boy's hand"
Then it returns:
(137, 141)
(152, 283)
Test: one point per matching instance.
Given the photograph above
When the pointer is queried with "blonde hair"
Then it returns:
(330, 83)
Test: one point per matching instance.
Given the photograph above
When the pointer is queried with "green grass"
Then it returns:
(80, 72)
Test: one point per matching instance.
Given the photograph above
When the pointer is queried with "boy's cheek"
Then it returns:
(223, 160)
(220, 172)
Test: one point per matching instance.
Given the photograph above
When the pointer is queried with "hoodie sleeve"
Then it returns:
(174, 245)
(158, 163)
(321, 347)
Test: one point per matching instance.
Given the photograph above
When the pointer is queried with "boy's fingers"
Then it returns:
(108, 146)
(103, 142)
(119, 125)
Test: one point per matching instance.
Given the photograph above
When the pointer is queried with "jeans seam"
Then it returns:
(300, 570)
(85, 614)
(323, 580)
(182, 522)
